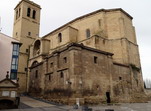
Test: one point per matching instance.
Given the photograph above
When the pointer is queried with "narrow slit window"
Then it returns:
(34, 14)
(60, 37)
(95, 59)
(19, 11)
(88, 34)
(28, 12)
(61, 75)
(99, 22)
(65, 59)
(49, 77)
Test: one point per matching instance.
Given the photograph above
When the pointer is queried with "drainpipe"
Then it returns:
(27, 71)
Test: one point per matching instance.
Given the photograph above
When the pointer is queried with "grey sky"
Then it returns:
(55, 13)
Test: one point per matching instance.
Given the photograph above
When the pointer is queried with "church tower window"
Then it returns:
(34, 14)
(60, 37)
(19, 11)
(28, 12)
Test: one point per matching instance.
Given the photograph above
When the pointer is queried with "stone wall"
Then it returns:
(106, 63)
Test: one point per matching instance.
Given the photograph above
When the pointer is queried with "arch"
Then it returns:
(34, 14)
(6, 103)
(34, 63)
(88, 33)
(60, 37)
(28, 12)
(36, 50)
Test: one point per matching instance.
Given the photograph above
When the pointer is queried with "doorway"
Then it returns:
(108, 99)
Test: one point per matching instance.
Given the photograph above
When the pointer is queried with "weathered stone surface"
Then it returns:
(95, 55)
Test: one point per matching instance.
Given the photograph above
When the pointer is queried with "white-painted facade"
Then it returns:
(6, 51)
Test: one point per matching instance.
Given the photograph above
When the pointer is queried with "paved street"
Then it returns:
(29, 104)
(34, 103)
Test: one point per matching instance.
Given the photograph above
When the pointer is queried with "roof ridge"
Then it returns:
(89, 14)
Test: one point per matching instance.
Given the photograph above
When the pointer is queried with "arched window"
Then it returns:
(88, 34)
(60, 37)
(37, 48)
(34, 63)
(34, 14)
(28, 12)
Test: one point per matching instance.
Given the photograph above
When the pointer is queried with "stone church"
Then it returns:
(93, 55)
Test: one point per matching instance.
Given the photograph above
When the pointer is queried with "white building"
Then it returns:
(9, 50)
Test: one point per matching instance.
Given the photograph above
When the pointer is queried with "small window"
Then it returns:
(34, 14)
(25, 69)
(61, 75)
(65, 59)
(29, 33)
(49, 77)
(36, 74)
(16, 33)
(120, 78)
(51, 64)
(28, 12)
(60, 37)
(27, 50)
(99, 22)
(95, 59)
(88, 33)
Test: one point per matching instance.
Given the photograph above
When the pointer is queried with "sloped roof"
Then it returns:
(87, 15)
(81, 46)
(14, 85)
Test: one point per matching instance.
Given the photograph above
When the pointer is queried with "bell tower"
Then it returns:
(26, 30)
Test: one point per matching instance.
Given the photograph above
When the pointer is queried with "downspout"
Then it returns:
(27, 71)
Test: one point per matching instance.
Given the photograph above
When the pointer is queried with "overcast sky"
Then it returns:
(55, 13)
